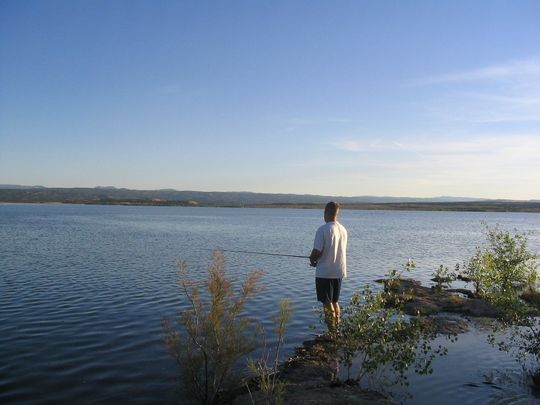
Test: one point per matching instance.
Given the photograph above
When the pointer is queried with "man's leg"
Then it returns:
(337, 314)
(329, 316)
(336, 290)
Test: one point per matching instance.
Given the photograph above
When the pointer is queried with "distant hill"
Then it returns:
(168, 197)
(17, 187)
(18, 193)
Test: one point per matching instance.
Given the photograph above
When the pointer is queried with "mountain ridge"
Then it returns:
(63, 194)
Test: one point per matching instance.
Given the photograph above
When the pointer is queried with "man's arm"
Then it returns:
(314, 257)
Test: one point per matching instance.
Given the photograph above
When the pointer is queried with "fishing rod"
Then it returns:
(260, 253)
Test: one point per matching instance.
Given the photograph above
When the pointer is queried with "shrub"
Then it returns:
(500, 272)
(375, 333)
(443, 276)
(503, 267)
(477, 270)
(513, 265)
(213, 335)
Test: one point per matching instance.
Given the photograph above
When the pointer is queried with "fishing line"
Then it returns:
(260, 253)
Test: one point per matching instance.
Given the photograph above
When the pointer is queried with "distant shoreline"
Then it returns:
(234, 199)
(489, 206)
(475, 206)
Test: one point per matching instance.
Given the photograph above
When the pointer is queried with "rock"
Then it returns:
(322, 394)
(443, 279)
(431, 301)
(480, 308)
(328, 395)
(463, 291)
(310, 377)
(532, 298)
(446, 325)
(421, 306)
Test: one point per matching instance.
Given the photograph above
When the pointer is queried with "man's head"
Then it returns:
(331, 211)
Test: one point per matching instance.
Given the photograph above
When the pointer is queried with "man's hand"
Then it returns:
(314, 257)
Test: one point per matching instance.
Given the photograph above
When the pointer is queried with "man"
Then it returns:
(329, 256)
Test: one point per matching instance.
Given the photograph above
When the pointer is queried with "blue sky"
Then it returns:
(416, 98)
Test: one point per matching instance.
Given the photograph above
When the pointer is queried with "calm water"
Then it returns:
(83, 290)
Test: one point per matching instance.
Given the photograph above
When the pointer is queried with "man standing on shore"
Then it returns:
(329, 257)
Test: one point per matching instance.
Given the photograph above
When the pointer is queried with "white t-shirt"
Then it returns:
(331, 241)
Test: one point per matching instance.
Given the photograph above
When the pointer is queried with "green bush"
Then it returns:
(500, 272)
(375, 332)
(443, 276)
(477, 270)
(503, 267)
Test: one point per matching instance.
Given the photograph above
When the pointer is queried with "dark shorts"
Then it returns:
(328, 289)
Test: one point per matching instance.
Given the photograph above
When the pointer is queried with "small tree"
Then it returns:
(213, 335)
(500, 272)
(512, 264)
(503, 267)
(477, 270)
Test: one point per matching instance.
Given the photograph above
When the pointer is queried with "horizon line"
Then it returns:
(7, 186)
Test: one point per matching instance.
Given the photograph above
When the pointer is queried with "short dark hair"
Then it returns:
(332, 208)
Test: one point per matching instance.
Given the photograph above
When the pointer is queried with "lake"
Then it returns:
(83, 290)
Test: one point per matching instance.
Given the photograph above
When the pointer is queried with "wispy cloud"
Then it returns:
(500, 156)
(490, 107)
(512, 69)
(522, 146)
(319, 120)
(506, 92)
(301, 123)
(532, 100)
(490, 165)
(352, 145)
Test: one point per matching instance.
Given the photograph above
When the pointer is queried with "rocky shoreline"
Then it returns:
(311, 374)
(310, 377)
